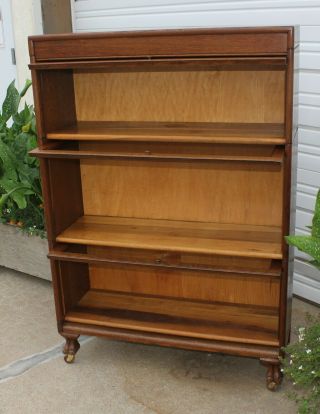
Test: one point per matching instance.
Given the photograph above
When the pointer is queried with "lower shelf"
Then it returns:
(213, 321)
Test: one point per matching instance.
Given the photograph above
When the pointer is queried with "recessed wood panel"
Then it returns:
(212, 96)
(208, 286)
(171, 259)
(194, 42)
(162, 151)
(218, 191)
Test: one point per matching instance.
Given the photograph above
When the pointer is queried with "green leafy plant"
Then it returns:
(302, 364)
(310, 244)
(20, 187)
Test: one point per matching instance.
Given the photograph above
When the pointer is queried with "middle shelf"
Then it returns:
(181, 236)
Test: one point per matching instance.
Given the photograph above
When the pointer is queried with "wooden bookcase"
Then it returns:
(166, 167)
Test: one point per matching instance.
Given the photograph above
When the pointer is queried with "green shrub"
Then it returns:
(310, 244)
(302, 367)
(302, 364)
(20, 188)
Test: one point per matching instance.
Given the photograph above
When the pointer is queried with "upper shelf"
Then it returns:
(204, 132)
(181, 236)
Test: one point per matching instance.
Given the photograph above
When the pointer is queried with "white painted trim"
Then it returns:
(26, 21)
(306, 288)
(73, 16)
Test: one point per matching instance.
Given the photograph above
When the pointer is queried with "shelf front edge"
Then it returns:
(222, 252)
(149, 338)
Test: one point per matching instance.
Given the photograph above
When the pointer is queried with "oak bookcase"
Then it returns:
(166, 169)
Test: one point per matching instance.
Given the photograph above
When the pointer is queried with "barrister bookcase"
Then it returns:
(166, 166)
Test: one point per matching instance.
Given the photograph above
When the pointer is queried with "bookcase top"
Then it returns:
(253, 41)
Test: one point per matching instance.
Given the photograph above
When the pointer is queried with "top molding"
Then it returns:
(260, 41)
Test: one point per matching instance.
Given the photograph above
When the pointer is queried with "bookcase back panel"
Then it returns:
(217, 287)
(220, 191)
(203, 96)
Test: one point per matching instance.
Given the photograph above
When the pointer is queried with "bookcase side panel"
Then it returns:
(74, 282)
(64, 202)
(57, 103)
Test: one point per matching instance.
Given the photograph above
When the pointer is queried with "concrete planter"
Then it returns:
(27, 254)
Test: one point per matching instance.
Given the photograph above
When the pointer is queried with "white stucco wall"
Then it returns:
(26, 21)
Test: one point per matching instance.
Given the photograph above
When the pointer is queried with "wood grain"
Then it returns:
(207, 238)
(173, 341)
(161, 258)
(172, 64)
(65, 204)
(185, 42)
(75, 282)
(187, 318)
(56, 87)
(173, 132)
(212, 96)
(228, 287)
(184, 190)
(160, 151)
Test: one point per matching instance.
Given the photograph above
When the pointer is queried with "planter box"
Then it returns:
(27, 254)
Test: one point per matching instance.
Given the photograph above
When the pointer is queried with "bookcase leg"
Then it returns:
(70, 349)
(274, 375)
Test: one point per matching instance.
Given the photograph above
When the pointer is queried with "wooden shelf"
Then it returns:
(215, 321)
(163, 151)
(233, 133)
(68, 253)
(180, 236)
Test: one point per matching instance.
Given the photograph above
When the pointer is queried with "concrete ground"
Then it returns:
(112, 377)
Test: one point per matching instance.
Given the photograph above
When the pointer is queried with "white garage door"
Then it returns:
(100, 15)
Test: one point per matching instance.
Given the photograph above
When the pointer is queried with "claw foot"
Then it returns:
(274, 375)
(70, 349)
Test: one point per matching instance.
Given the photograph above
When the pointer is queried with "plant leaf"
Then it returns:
(26, 87)
(11, 103)
(20, 186)
(8, 161)
(306, 244)
(316, 218)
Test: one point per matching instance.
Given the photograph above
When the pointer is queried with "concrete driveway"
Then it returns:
(113, 377)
